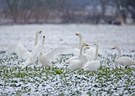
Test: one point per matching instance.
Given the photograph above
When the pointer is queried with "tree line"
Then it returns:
(65, 11)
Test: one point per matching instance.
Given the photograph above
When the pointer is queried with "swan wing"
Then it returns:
(75, 64)
(57, 51)
(28, 62)
(37, 50)
(18, 48)
(26, 55)
(44, 61)
(90, 53)
(92, 65)
(72, 58)
(126, 61)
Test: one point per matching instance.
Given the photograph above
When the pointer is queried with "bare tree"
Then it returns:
(103, 8)
(13, 8)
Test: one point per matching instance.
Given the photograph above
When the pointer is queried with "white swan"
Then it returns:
(43, 58)
(90, 53)
(77, 50)
(80, 39)
(27, 54)
(74, 57)
(37, 37)
(20, 50)
(37, 49)
(30, 60)
(94, 64)
(79, 61)
(123, 60)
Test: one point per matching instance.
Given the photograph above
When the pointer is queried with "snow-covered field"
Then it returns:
(64, 35)
(36, 81)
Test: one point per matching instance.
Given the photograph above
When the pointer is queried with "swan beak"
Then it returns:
(87, 45)
(113, 48)
(43, 36)
(40, 32)
(77, 34)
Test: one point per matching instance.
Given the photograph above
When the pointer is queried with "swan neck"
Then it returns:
(84, 49)
(43, 43)
(80, 41)
(119, 53)
(133, 62)
(96, 53)
(36, 38)
(81, 51)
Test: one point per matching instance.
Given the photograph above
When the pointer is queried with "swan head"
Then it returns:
(96, 43)
(38, 32)
(85, 48)
(43, 40)
(78, 34)
(85, 45)
(115, 47)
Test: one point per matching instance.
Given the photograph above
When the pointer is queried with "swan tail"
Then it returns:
(26, 63)
(133, 62)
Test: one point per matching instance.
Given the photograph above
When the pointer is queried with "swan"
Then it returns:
(37, 49)
(93, 65)
(43, 58)
(30, 59)
(74, 57)
(26, 54)
(78, 61)
(77, 50)
(80, 39)
(36, 37)
(21, 50)
(123, 60)
(90, 53)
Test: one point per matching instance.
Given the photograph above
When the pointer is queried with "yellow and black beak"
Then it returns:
(40, 32)
(113, 48)
(77, 34)
(87, 45)
(43, 36)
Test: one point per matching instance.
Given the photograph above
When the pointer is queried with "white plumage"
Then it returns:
(122, 60)
(21, 51)
(28, 62)
(90, 53)
(43, 58)
(93, 65)
(78, 62)
(30, 57)
(126, 61)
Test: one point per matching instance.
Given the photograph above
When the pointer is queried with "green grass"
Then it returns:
(55, 80)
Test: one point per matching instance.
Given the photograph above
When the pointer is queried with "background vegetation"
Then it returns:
(67, 11)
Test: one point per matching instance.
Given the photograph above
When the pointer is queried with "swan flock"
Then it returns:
(85, 56)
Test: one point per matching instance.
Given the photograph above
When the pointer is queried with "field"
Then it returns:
(109, 80)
